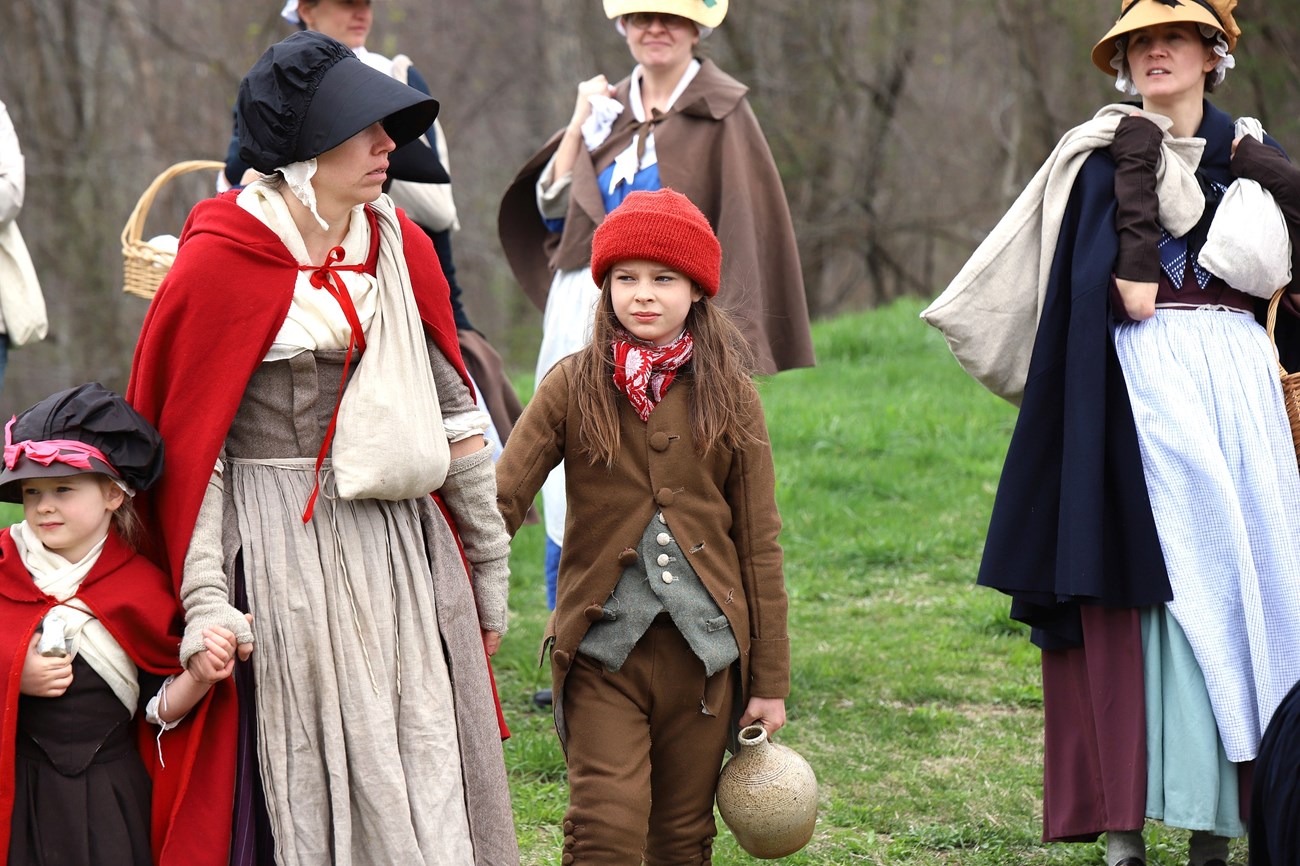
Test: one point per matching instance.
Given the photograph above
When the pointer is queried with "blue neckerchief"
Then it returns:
(1174, 256)
(1214, 174)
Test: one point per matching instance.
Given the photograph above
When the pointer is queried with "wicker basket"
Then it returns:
(145, 265)
(1290, 381)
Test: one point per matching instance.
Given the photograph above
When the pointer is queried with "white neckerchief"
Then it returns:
(377, 62)
(626, 164)
(315, 320)
(85, 635)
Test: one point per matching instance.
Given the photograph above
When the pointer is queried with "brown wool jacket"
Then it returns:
(721, 508)
(711, 149)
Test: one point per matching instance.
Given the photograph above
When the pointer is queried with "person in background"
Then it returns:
(676, 121)
(22, 306)
(669, 631)
(300, 359)
(419, 183)
(90, 627)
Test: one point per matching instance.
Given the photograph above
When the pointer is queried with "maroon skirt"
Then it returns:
(1095, 738)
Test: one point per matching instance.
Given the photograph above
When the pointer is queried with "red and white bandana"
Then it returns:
(644, 372)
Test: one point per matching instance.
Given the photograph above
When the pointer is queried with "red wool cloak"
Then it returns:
(208, 328)
(133, 599)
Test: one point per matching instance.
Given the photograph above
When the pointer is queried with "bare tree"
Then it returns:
(902, 129)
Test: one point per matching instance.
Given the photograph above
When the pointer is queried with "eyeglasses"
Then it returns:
(642, 20)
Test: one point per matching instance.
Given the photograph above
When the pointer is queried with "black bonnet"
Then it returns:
(89, 414)
(309, 93)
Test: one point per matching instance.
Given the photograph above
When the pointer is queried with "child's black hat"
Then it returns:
(84, 429)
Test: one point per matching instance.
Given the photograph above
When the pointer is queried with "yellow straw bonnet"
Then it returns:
(705, 13)
(1136, 14)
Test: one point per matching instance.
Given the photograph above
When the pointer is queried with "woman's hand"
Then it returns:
(244, 649)
(45, 676)
(491, 641)
(1139, 299)
(598, 86)
(768, 712)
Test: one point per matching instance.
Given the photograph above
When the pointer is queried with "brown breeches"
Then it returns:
(643, 759)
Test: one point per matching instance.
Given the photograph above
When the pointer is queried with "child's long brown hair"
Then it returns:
(125, 520)
(127, 523)
(722, 393)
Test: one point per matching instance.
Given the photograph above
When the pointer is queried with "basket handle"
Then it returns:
(1271, 323)
(133, 231)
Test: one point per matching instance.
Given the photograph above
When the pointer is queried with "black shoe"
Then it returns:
(1132, 861)
(542, 697)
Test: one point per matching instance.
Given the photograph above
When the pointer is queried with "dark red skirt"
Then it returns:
(1095, 739)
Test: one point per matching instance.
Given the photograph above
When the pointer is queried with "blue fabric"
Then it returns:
(1176, 253)
(645, 179)
(1221, 470)
(1196, 788)
(552, 571)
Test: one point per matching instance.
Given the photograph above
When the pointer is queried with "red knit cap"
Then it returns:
(661, 226)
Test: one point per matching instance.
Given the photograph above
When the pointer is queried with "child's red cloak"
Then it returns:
(134, 600)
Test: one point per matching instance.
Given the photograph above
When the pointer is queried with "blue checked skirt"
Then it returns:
(1221, 474)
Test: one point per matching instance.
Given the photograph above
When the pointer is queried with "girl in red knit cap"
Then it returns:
(669, 631)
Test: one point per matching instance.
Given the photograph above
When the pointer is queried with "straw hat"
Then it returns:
(1136, 14)
(706, 13)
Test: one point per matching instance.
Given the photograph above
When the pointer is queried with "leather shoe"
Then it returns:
(1132, 861)
(542, 697)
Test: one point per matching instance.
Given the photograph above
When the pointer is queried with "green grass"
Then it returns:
(915, 698)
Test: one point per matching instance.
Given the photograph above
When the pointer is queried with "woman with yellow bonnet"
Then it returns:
(1146, 522)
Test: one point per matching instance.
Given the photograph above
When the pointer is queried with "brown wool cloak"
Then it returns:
(711, 149)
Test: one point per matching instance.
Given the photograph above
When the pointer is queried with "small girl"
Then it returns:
(669, 629)
(90, 629)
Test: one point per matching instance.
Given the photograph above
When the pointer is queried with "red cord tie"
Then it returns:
(326, 277)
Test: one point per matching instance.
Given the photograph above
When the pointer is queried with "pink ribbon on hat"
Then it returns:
(49, 451)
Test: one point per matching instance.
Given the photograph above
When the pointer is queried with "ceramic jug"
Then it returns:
(767, 794)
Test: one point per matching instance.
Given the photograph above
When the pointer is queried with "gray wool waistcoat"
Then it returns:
(660, 580)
